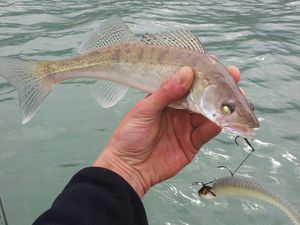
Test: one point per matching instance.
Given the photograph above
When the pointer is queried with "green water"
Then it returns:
(69, 130)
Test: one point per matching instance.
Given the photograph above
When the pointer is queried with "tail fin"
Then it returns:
(31, 86)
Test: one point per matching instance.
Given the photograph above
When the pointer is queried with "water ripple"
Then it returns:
(290, 157)
(275, 165)
(260, 37)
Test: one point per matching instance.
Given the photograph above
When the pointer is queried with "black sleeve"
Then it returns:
(95, 196)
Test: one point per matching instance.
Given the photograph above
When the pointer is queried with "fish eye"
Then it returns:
(228, 107)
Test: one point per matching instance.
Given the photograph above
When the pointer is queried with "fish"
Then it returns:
(247, 187)
(117, 59)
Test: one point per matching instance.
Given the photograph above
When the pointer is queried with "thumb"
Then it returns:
(170, 91)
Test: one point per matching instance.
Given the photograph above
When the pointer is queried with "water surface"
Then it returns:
(68, 132)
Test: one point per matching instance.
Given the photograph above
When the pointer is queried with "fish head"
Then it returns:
(223, 103)
(206, 193)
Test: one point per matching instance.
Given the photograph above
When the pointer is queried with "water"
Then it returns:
(68, 132)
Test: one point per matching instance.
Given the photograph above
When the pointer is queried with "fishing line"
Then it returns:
(245, 159)
(3, 212)
(202, 183)
(252, 150)
(225, 167)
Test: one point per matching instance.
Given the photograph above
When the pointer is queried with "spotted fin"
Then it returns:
(180, 38)
(108, 93)
(112, 31)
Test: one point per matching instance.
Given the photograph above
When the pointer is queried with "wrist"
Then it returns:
(114, 163)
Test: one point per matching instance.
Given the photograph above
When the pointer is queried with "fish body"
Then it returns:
(137, 65)
(246, 187)
(118, 60)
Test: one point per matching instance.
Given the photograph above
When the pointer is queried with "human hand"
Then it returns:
(153, 142)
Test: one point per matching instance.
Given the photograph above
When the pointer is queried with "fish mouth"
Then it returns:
(240, 130)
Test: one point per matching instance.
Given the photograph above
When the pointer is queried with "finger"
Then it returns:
(170, 91)
(204, 133)
(234, 72)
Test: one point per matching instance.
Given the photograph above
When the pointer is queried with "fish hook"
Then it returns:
(247, 141)
(252, 150)
(249, 144)
(235, 140)
(225, 167)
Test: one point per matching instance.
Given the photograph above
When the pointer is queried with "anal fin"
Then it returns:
(108, 93)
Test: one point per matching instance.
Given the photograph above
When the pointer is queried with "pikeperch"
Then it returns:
(242, 186)
(118, 60)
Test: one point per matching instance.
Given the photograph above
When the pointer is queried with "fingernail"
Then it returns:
(180, 76)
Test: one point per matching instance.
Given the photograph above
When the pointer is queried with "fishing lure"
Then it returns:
(246, 187)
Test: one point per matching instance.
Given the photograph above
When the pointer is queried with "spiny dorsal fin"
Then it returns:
(108, 93)
(180, 38)
(113, 30)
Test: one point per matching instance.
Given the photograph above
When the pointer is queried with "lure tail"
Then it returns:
(31, 83)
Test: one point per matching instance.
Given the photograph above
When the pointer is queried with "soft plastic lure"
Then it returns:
(242, 186)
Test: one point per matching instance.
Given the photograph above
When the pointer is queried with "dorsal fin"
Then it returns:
(180, 38)
(113, 30)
